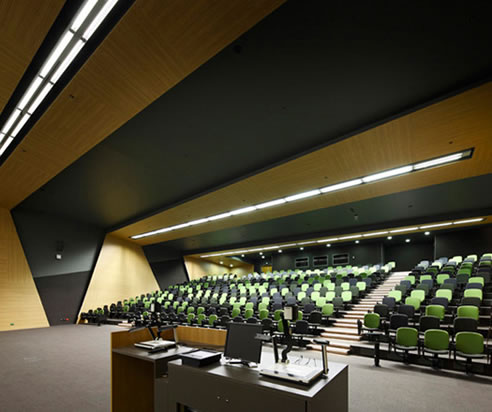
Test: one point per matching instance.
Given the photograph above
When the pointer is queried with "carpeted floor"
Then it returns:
(66, 368)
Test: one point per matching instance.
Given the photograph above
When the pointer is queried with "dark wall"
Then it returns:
(464, 242)
(359, 255)
(407, 255)
(169, 272)
(61, 283)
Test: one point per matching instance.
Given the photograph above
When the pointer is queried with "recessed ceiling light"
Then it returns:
(263, 256)
(333, 239)
(220, 216)
(221, 262)
(304, 195)
(328, 245)
(349, 237)
(436, 225)
(459, 222)
(438, 161)
(271, 203)
(387, 173)
(375, 234)
(357, 241)
(242, 255)
(261, 253)
(340, 186)
(407, 229)
(301, 248)
(389, 237)
(280, 251)
(243, 210)
(231, 265)
(427, 233)
(407, 240)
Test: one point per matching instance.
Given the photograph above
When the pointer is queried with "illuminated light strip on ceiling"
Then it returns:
(342, 238)
(387, 174)
(86, 21)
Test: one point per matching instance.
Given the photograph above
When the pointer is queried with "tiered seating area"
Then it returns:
(440, 308)
(213, 301)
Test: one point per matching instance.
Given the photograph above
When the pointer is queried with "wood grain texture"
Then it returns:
(20, 304)
(121, 271)
(18, 45)
(198, 268)
(202, 336)
(155, 45)
(457, 123)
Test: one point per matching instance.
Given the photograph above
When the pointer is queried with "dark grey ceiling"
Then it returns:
(456, 199)
(310, 73)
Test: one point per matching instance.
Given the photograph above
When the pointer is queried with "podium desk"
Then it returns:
(220, 387)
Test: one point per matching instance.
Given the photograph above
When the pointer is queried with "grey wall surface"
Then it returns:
(464, 242)
(61, 283)
(407, 255)
(39, 234)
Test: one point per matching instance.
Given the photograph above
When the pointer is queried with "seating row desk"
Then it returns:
(159, 382)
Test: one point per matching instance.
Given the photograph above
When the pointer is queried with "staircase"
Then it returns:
(343, 333)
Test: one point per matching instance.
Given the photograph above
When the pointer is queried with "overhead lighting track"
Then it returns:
(379, 233)
(87, 19)
(386, 174)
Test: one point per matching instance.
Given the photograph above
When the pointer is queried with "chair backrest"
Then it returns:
(441, 278)
(470, 343)
(440, 301)
(470, 301)
(315, 317)
(389, 301)
(408, 310)
(477, 279)
(468, 312)
(444, 293)
(327, 309)
(419, 294)
(436, 339)
(429, 322)
(408, 337)
(347, 296)
(372, 320)
(337, 302)
(465, 325)
(382, 310)
(414, 302)
(473, 293)
(396, 294)
(398, 320)
(302, 327)
(330, 296)
(435, 310)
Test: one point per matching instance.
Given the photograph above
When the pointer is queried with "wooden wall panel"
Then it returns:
(20, 305)
(455, 124)
(198, 268)
(154, 46)
(121, 271)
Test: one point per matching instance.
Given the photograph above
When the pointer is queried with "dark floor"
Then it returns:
(66, 368)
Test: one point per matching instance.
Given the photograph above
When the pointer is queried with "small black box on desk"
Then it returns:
(200, 357)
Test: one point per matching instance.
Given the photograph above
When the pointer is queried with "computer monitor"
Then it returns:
(241, 342)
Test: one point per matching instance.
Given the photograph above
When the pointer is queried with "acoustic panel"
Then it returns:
(20, 305)
(121, 271)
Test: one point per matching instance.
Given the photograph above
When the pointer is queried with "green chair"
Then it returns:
(362, 286)
(235, 312)
(372, 322)
(314, 296)
(419, 294)
(262, 306)
(330, 296)
(263, 314)
(190, 318)
(473, 293)
(467, 311)
(425, 277)
(410, 278)
(191, 309)
(277, 315)
(477, 279)
(212, 319)
(345, 286)
(406, 340)
(331, 287)
(347, 297)
(445, 293)
(469, 345)
(441, 278)
(327, 310)
(396, 294)
(413, 302)
(435, 310)
(200, 319)
(436, 342)
(180, 310)
(248, 313)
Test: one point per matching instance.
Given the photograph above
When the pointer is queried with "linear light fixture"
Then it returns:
(399, 171)
(340, 238)
(85, 22)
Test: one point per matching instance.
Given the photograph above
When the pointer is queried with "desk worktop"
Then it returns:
(143, 354)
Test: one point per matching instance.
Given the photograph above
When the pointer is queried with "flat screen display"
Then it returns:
(241, 342)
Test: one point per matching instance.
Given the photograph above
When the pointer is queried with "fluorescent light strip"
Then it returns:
(387, 173)
(238, 252)
(30, 92)
(368, 179)
(20, 124)
(198, 222)
(340, 186)
(6, 144)
(436, 225)
(407, 229)
(349, 237)
(13, 117)
(82, 14)
(67, 60)
(271, 203)
(40, 98)
(375, 234)
(56, 53)
(304, 195)
(439, 161)
(460, 222)
(99, 18)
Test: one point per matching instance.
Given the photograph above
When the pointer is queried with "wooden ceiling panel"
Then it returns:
(22, 30)
(451, 125)
(155, 45)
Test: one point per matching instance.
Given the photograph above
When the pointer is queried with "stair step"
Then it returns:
(329, 336)
(345, 325)
(329, 349)
(343, 330)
